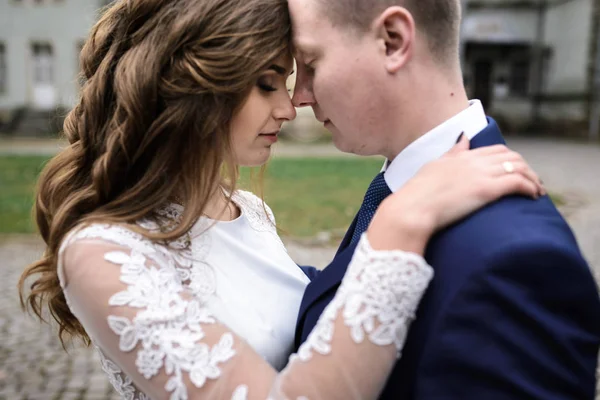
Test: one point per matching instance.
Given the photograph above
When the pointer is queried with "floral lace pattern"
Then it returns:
(254, 210)
(168, 328)
(155, 290)
(122, 383)
(166, 323)
(378, 298)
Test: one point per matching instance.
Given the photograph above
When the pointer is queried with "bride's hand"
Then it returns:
(447, 190)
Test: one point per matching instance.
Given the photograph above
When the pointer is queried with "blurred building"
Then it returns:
(40, 41)
(534, 62)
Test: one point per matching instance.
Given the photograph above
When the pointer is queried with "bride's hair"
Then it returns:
(162, 80)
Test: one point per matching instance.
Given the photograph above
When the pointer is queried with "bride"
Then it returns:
(178, 279)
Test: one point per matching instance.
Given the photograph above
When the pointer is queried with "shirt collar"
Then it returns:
(434, 144)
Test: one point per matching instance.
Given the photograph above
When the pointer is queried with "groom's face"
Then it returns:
(340, 76)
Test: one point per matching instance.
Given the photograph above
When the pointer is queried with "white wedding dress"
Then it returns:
(212, 316)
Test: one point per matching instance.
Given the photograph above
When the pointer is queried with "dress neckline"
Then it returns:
(178, 211)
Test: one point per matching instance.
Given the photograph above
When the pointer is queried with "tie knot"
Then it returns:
(377, 192)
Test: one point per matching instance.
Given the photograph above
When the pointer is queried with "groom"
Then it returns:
(513, 311)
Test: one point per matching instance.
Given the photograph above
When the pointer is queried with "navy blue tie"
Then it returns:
(377, 192)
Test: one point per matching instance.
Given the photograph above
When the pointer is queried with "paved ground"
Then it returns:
(32, 362)
(34, 366)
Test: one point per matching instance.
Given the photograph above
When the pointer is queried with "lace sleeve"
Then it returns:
(137, 310)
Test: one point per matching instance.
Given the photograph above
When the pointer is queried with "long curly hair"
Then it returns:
(162, 81)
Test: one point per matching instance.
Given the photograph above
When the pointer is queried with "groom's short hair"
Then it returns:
(439, 20)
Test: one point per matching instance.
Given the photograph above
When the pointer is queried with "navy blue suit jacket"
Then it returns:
(513, 311)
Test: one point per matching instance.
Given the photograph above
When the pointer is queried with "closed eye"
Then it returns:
(310, 70)
(266, 88)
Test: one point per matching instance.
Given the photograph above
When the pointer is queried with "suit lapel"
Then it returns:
(348, 237)
(327, 279)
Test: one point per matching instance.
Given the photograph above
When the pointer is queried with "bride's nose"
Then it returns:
(285, 110)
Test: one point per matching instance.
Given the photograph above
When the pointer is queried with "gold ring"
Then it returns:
(508, 167)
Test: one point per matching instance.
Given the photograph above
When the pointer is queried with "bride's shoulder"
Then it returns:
(86, 246)
(107, 233)
(253, 204)
(128, 235)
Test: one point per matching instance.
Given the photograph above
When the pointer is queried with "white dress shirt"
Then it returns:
(434, 144)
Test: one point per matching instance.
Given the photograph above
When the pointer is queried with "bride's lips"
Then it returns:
(272, 137)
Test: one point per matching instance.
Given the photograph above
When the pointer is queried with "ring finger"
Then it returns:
(519, 167)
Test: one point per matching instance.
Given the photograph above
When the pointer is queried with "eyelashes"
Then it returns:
(266, 87)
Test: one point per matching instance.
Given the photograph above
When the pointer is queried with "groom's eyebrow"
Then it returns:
(303, 48)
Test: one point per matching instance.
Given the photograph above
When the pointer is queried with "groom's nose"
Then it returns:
(303, 95)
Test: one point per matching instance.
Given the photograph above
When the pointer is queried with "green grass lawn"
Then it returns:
(18, 175)
(314, 195)
(307, 195)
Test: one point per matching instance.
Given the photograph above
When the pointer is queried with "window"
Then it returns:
(519, 77)
(3, 72)
(43, 69)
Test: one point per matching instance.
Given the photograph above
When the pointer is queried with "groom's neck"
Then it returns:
(431, 104)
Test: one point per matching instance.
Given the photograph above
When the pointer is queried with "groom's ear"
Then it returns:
(395, 28)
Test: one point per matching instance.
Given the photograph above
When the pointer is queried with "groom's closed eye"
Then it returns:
(309, 68)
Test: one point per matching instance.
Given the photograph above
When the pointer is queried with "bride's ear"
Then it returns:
(395, 27)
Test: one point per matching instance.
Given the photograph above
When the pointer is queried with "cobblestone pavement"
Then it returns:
(33, 365)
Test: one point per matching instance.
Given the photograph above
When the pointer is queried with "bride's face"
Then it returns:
(255, 128)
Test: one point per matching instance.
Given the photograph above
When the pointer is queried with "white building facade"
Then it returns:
(40, 41)
(532, 62)
(529, 61)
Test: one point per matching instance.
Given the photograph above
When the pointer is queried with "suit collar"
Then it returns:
(490, 136)
(434, 144)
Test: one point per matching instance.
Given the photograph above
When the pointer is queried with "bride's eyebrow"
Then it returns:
(280, 70)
